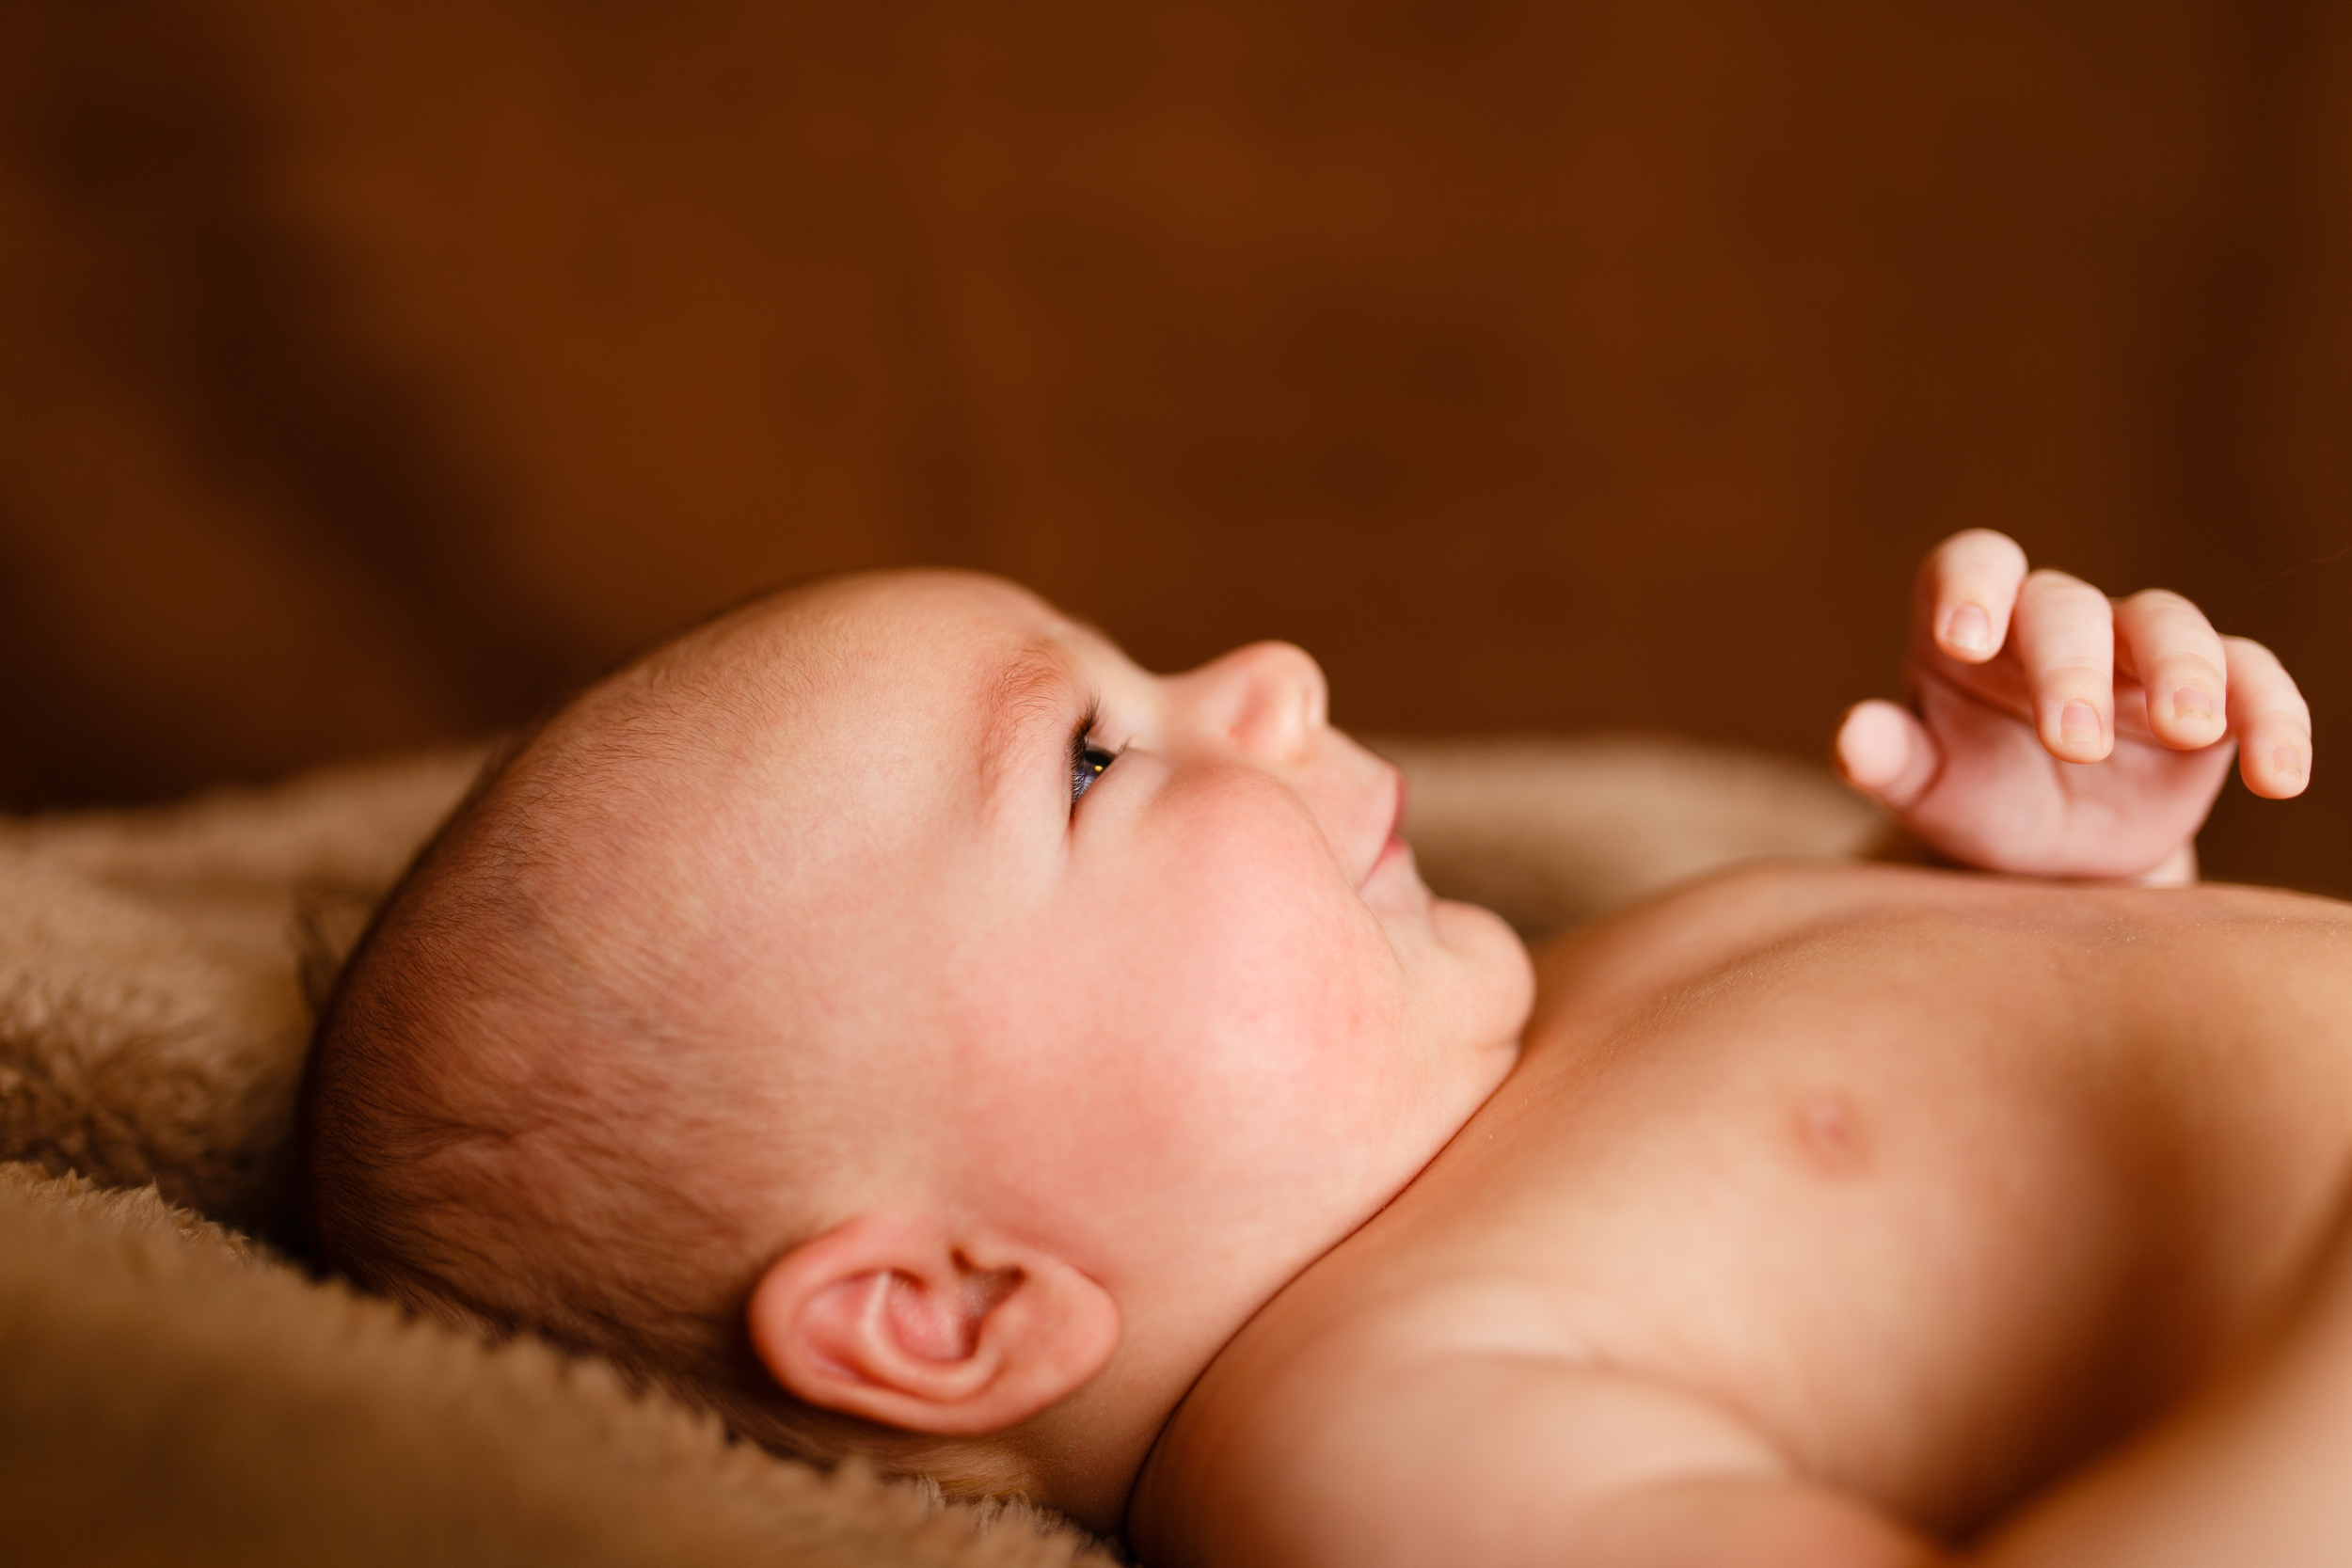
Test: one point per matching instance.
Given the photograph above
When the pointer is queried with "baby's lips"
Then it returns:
(1392, 842)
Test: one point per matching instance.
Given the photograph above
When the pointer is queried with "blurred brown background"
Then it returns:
(370, 372)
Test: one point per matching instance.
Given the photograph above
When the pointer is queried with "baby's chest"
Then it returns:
(1933, 1252)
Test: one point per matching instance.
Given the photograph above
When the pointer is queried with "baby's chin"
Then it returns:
(1494, 967)
(1483, 980)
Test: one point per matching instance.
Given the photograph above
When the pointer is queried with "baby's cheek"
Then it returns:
(1344, 1065)
(1267, 1017)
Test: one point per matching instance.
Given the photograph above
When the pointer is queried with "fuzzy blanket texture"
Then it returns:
(175, 1389)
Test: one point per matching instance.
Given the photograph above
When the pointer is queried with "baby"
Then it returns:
(888, 1015)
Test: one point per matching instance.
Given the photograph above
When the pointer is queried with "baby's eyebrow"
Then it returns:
(1032, 692)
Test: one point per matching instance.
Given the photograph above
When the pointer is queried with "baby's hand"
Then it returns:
(2056, 734)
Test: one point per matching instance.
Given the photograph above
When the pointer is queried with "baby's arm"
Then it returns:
(2251, 1472)
(1507, 1459)
(2054, 733)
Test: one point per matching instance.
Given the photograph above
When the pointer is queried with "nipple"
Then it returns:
(1831, 1133)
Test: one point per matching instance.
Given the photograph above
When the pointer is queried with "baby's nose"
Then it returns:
(1268, 699)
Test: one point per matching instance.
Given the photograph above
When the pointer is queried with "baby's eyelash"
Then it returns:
(1087, 759)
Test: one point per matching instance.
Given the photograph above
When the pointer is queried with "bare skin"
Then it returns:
(1107, 1095)
(1826, 1215)
(1859, 1216)
(1831, 1214)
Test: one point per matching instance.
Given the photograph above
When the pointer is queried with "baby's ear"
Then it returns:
(907, 1322)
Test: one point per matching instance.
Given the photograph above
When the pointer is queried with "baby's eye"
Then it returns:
(1086, 761)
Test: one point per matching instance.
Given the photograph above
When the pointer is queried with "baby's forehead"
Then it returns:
(907, 637)
(839, 724)
(961, 668)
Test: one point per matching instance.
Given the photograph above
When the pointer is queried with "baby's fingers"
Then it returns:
(1969, 586)
(1882, 751)
(2273, 724)
(2066, 641)
(2177, 656)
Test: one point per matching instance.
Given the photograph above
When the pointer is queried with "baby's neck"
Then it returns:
(1085, 1455)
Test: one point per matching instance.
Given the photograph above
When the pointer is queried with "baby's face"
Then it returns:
(1133, 963)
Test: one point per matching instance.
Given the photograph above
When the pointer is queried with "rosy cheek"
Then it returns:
(1226, 1009)
(1297, 1010)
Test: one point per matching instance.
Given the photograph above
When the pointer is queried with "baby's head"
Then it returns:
(888, 1014)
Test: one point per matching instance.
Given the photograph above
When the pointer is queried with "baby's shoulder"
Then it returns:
(1705, 924)
(1762, 907)
(1365, 1415)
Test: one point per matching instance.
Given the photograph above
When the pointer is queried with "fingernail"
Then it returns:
(1970, 629)
(2190, 702)
(2078, 722)
(2287, 760)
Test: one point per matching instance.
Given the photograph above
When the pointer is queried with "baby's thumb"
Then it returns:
(1884, 751)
